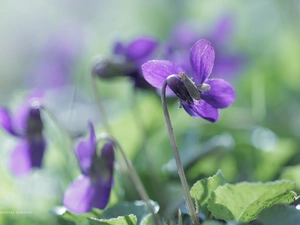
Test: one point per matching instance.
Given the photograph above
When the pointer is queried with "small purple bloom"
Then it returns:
(27, 126)
(92, 188)
(202, 97)
(127, 60)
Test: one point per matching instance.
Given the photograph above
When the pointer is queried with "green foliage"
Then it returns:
(138, 208)
(279, 215)
(78, 219)
(202, 189)
(121, 220)
(292, 173)
(244, 201)
(211, 223)
(270, 162)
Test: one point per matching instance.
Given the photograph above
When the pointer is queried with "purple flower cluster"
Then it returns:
(186, 77)
(92, 188)
(202, 97)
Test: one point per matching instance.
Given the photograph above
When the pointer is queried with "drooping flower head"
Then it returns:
(92, 188)
(127, 60)
(202, 97)
(26, 124)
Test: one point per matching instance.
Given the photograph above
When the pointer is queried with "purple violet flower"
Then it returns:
(27, 126)
(202, 98)
(127, 60)
(92, 188)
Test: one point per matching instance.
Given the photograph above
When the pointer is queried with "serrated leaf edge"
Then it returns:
(119, 217)
(253, 184)
(208, 178)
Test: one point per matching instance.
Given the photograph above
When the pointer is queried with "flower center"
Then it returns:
(190, 86)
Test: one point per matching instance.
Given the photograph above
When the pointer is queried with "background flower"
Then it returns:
(57, 60)
(127, 60)
(92, 188)
(186, 33)
(26, 124)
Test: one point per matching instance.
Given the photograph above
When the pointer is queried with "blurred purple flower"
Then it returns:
(58, 57)
(27, 126)
(185, 35)
(127, 60)
(202, 98)
(92, 188)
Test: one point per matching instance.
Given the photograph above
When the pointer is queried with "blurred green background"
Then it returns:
(256, 139)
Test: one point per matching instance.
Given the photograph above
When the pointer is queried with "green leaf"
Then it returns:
(280, 214)
(211, 222)
(81, 219)
(138, 208)
(271, 162)
(121, 220)
(244, 201)
(148, 220)
(202, 189)
(292, 173)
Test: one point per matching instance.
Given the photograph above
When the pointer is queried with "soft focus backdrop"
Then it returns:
(52, 45)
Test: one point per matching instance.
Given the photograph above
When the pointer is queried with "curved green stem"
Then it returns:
(188, 200)
(134, 176)
(100, 105)
(58, 123)
(66, 133)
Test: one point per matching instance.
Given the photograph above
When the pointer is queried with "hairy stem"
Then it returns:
(134, 176)
(188, 200)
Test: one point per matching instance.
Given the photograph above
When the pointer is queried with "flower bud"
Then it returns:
(113, 67)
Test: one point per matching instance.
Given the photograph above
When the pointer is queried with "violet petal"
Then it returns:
(20, 159)
(141, 48)
(202, 56)
(102, 193)
(85, 151)
(86, 193)
(108, 154)
(184, 35)
(221, 94)
(202, 109)
(156, 71)
(6, 122)
(37, 146)
(119, 48)
(227, 65)
(20, 117)
(78, 197)
(222, 31)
